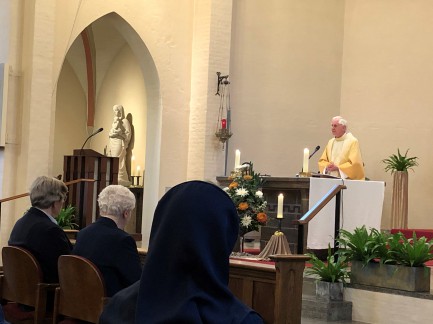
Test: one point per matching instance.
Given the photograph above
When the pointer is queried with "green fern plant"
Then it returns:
(399, 162)
(413, 252)
(66, 218)
(331, 270)
(361, 244)
(376, 246)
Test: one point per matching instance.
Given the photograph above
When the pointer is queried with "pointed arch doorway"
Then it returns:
(109, 64)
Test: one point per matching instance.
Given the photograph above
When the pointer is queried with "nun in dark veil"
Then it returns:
(186, 271)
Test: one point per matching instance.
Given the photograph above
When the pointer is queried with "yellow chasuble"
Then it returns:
(345, 153)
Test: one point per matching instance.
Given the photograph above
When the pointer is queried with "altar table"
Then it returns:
(362, 204)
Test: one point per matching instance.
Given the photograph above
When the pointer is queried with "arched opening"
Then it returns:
(110, 54)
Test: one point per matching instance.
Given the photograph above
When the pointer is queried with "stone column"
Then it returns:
(210, 54)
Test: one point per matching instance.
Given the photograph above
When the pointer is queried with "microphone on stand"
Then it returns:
(315, 150)
(91, 135)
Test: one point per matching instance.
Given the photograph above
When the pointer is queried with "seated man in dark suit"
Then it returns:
(106, 244)
(38, 232)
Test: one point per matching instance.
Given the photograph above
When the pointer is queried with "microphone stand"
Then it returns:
(315, 151)
(91, 135)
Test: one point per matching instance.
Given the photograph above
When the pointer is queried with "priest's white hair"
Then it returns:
(114, 200)
(341, 120)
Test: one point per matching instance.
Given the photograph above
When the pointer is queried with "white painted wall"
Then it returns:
(4, 29)
(4, 48)
(70, 128)
(285, 77)
(387, 92)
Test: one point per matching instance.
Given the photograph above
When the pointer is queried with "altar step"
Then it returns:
(316, 310)
(373, 305)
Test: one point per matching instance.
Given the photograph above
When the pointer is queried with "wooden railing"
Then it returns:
(308, 216)
(77, 190)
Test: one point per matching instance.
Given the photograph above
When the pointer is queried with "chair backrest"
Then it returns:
(82, 292)
(22, 275)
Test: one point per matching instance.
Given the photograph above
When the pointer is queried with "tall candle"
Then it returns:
(237, 159)
(138, 174)
(280, 206)
(132, 165)
(306, 157)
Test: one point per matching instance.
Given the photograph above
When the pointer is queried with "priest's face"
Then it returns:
(337, 129)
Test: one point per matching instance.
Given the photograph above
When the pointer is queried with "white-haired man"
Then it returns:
(342, 156)
(107, 245)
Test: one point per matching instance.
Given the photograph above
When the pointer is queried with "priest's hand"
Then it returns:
(331, 167)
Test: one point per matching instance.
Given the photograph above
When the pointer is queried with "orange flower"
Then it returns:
(243, 206)
(247, 177)
(234, 184)
(262, 217)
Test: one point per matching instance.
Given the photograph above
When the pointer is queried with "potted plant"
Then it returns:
(413, 252)
(331, 274)
(362, 245)
(399, 165)
(390, 261)
(66, 220)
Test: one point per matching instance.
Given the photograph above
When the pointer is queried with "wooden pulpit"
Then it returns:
(88, 164)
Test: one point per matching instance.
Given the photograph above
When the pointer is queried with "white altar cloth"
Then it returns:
(362, 204)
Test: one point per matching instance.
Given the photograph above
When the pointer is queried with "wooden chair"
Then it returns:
(22, 282)
(81, 294)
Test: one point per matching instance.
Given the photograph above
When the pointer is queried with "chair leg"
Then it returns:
(56, 305)
(41, 306)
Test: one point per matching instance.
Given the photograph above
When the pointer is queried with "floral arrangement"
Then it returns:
(244, 190)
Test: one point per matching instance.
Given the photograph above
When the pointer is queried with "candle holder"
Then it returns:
(305, 174)
(279, 224)
(135, 181)
(236, 173)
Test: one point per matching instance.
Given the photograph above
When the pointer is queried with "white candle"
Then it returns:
(306, 157)
(132, 165)
(237, 159)
(280, 206)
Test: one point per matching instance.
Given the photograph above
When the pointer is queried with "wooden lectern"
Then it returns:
(88, 164)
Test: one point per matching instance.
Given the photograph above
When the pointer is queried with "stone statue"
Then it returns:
(120, 135)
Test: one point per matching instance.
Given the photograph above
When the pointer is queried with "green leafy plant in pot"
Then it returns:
(387, 260)
(363, 245)
(66, 218)
(375, 246)
(399, 162)
(413, 252)
(399, 165)
(331, 270)
(331, 274)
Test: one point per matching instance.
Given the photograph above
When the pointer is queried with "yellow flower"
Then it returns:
(234, 184)
(247, 177)
(262, 217)
(243, 206)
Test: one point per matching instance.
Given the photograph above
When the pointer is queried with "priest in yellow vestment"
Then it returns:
(342, 156)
